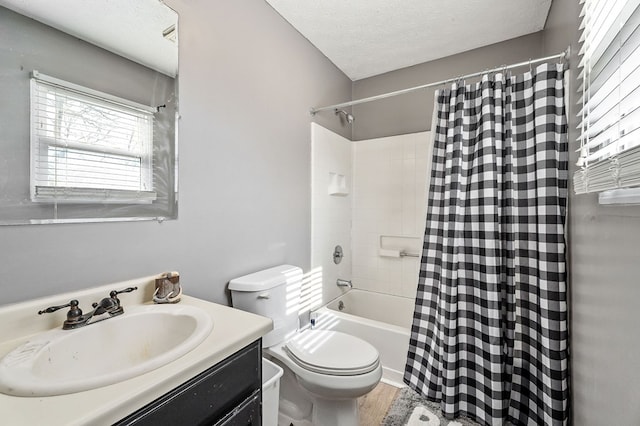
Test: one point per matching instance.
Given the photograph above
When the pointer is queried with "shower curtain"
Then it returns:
(489, 334)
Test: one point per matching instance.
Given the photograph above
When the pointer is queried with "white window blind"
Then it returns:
(88, 146)
(609, 151)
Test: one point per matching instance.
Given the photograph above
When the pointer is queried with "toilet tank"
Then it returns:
(273, 293)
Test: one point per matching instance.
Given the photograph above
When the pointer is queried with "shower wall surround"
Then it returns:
(330, 214)
(386, 180)
(389, 201)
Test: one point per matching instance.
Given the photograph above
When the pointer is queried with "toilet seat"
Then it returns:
(328, 385)
(332, 353)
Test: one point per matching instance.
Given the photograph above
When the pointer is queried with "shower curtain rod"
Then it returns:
(564, 54)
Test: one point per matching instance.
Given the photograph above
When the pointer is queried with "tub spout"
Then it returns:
(344, 283)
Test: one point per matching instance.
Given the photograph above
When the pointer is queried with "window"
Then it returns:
(88, 146)
(609, 151)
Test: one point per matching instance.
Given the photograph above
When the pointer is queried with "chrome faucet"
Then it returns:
(75, 318)
(344, 283)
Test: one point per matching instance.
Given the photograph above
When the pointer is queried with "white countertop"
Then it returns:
(232, 330)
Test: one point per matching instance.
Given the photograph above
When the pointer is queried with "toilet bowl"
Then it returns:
(331, 369)
(324, 371)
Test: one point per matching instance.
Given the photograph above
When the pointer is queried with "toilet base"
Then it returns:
(285, 420)
(302, 408)
(323, 413)
(343, 412)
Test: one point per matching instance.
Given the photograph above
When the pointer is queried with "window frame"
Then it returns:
(61, 194)
(608, 142)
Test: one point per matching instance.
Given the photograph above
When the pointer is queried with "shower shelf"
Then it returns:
(337, 184)
(399, 246)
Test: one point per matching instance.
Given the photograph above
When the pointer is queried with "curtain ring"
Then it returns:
(530, 69)
(490, 74)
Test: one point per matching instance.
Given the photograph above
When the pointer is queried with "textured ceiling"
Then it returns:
(369, 37)
(130, 28)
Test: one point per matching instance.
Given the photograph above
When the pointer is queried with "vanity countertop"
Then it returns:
(232, 330)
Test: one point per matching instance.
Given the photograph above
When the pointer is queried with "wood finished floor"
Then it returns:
(374, 405)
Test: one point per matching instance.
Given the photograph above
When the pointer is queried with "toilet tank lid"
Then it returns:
(266, 279)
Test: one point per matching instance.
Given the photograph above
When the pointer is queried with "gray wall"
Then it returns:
(604, 288)
(247, 80)
(411, 112)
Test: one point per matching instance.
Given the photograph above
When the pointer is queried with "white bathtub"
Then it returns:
(381, 319)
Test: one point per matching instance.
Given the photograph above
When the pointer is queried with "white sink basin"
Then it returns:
(142, 339)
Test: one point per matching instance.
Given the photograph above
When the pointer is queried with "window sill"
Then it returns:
(627, 196)
(70, 195)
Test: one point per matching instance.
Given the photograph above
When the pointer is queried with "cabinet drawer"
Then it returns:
(209, 396)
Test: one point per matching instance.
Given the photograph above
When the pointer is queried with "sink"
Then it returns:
(144, 338)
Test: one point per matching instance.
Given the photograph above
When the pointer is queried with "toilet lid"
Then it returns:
(332, 352)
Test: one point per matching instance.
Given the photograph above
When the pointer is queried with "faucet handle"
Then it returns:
(73, 304)
(74, 313)
(117, 309)
(115, 293)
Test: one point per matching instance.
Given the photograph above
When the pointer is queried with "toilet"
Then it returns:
(324, 371)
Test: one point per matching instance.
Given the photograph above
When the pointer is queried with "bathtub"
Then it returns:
(381, 319)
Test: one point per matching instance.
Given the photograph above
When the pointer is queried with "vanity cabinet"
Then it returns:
(229, 394)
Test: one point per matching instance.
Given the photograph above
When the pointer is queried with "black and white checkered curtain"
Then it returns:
(489, 335)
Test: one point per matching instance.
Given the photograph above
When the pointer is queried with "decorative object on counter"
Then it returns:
(168, 289)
